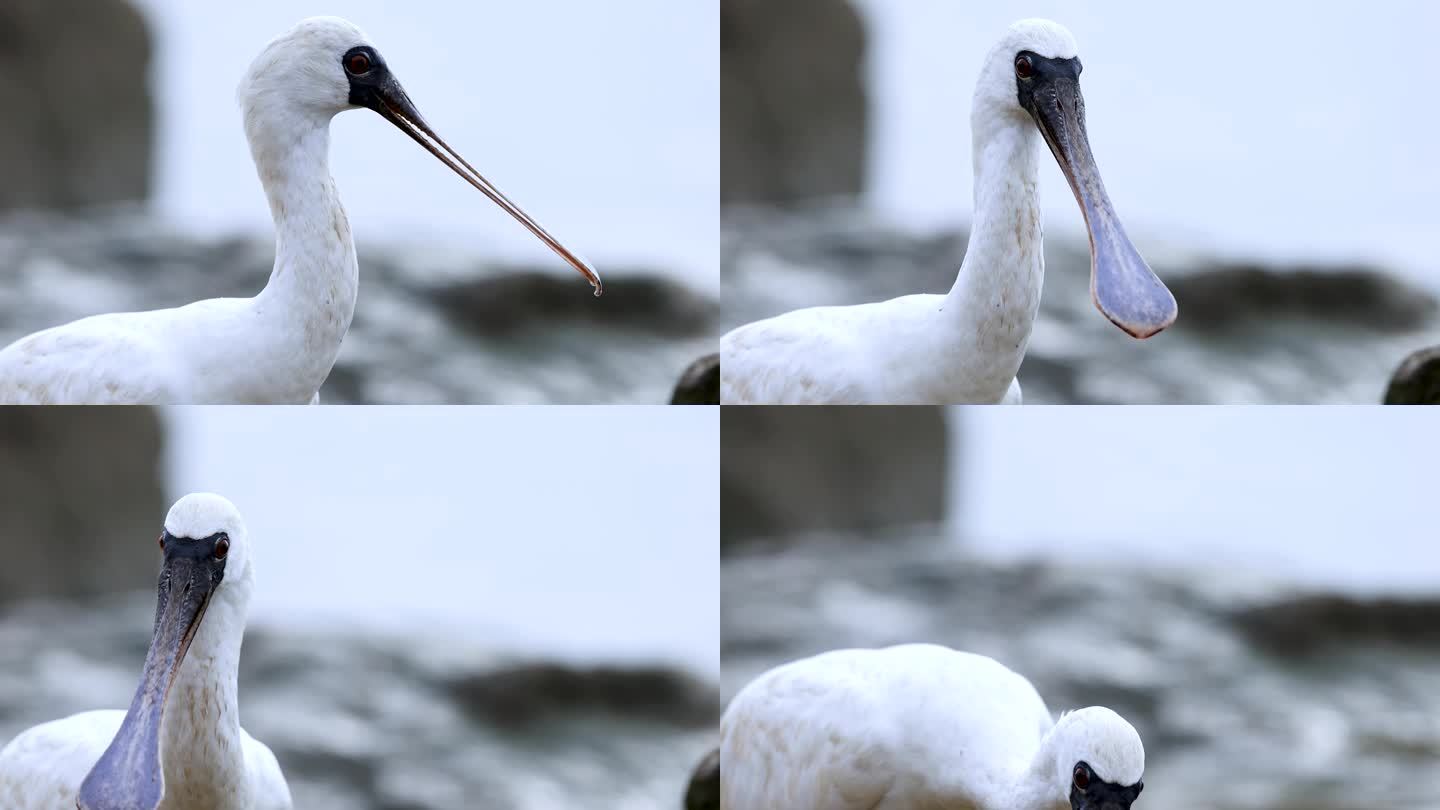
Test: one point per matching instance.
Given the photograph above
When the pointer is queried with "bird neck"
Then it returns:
(200, 749)
(1036, 788)
(306, 307)
(997, 291)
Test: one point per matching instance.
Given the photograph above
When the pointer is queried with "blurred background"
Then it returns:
(512, 609)
(1295, 228)
(1257, 590)
(128, 184)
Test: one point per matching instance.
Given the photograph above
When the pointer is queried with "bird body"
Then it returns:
(912, 727)
(180, 745)
(811, 356)
(965, 346)
(272, 349)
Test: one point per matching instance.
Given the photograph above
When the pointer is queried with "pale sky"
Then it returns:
(1341, 497)
(586, 532)
(600, 119)
(1283, 129)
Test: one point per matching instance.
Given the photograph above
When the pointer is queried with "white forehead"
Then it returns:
(300, 69)
(328, 34)
(1048, 39)
(1109, 744)
(203, 514)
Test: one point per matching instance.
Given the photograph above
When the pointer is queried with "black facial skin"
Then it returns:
(376, 86)
(128, 775)
(1046, 73)
(1122, 285)
(1098, 795)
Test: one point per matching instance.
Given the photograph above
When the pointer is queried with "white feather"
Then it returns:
(913, 727)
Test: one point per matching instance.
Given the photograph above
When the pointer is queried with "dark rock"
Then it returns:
(367, 722)
(557, 343)
(502, 304)
(1194, 681)
(74, 80)
(523, 696)
(1239, 295)
(1417, 380)
(700, 383)
(787, 470)
(704, 790)
(78, 484)
(795, 122)
(1247, 332)
(1314, 622)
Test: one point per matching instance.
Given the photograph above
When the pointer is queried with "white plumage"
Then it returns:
(208, 761)
(279, 346)
(916, 727)
(965, 346)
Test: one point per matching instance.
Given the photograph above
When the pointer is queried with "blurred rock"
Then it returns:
(1237, 295)
(524, 696)
(1312, 623)
(1219, 671)
(1417, 380)
(788, 469)
(704, 790)
(1247, 333)
(82, 500)
(505, 303)
(75, 82)
(795, 122)
(378, 722)
(431, 325)
(700, 383)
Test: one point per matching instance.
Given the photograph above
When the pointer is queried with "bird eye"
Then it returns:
(222, 547)
(358, 64)
(1082, 777)
(1024, 68)
(162, 542)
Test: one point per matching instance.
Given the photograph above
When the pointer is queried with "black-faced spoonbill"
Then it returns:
(279, 346)
(180, 746)
(918, 727)
(966, 346)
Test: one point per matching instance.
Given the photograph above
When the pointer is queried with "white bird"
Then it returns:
(279, 346)
(966, 346)
(180, 746)
(918, 727)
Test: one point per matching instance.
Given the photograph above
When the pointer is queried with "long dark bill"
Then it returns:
(1122, 285)
(128, 776)
(389, 99)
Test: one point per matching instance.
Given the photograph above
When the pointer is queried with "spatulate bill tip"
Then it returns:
(1142, 331)
(1141, 324)
(1130, 295)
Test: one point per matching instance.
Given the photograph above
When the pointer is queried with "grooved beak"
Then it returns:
(389, 99)
(129, 776)
(1122, 285)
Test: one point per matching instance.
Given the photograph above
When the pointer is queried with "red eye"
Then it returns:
(1024, 68)
(1082, 777)
(358, 64)
(222, 547)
